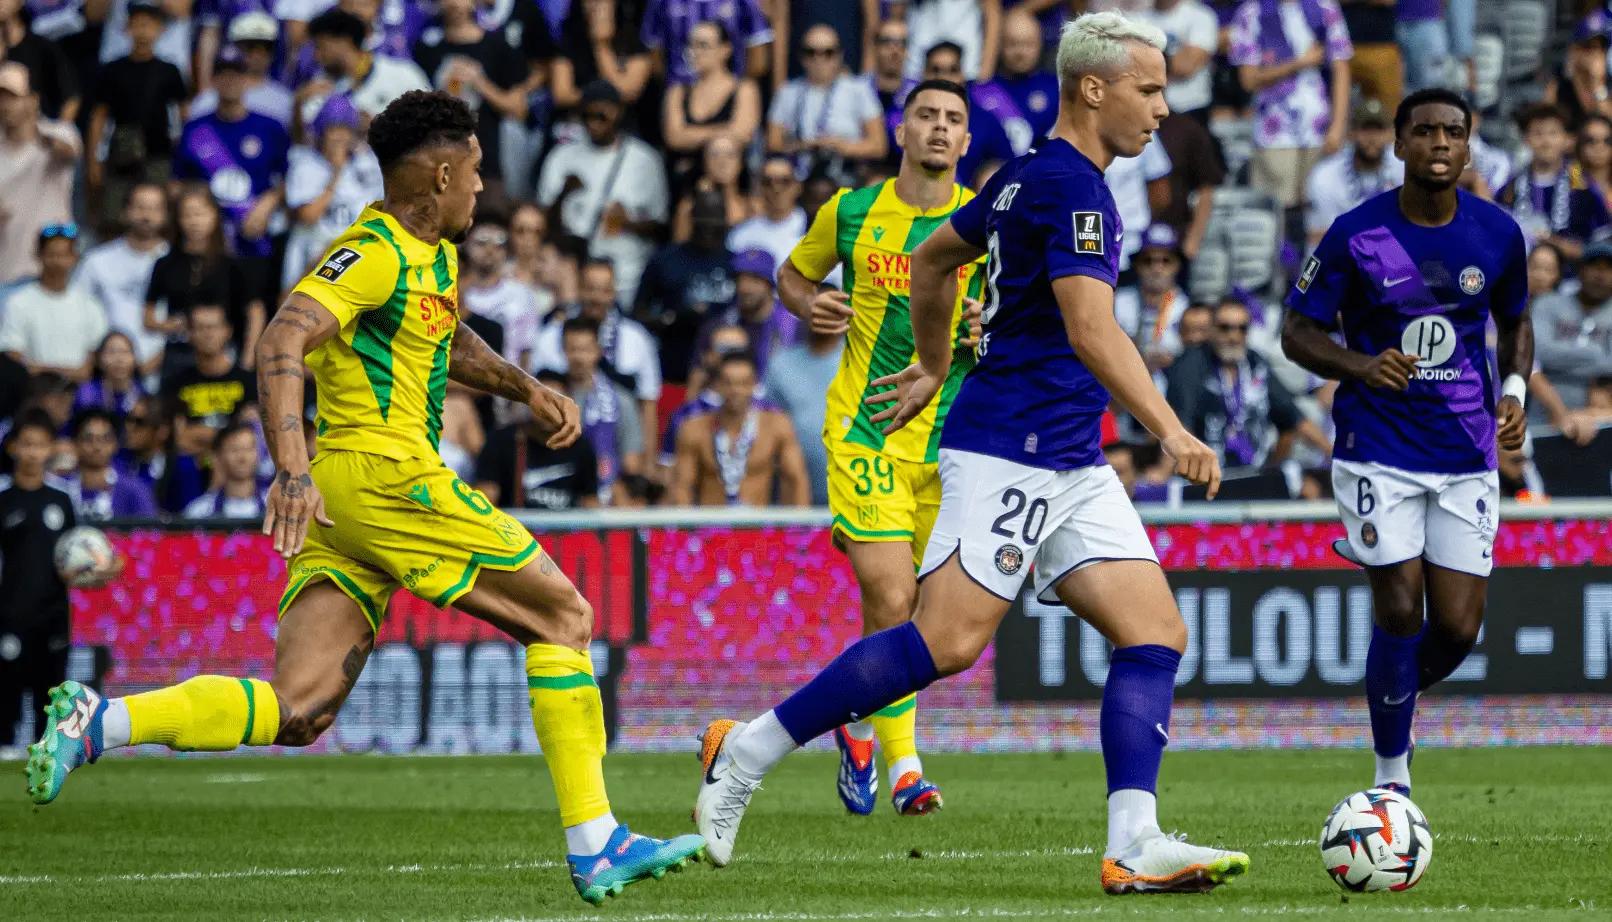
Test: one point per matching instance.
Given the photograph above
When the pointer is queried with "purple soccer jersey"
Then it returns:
(1043, 216)
(1428, 292)
(240, 162)
(667, 24)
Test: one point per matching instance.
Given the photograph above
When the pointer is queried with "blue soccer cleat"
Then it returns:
(72, 738)
(915, 796)
(628, 858)
(858, 781)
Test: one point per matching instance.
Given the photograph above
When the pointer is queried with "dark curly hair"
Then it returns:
(419, 119)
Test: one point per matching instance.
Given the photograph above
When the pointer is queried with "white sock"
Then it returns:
(901, 766)
(862, 730)
(762, 744)
(590, 837)
(115, 725)
(1393, 769)
(1131, 812)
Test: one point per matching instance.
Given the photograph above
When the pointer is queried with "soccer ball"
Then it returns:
(1376, 840)
(84, 557)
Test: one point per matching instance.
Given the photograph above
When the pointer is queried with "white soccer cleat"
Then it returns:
(724, 792)
(1157, 863)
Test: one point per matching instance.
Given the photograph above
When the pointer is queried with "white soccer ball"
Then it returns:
(1376, 840)
(84, 557)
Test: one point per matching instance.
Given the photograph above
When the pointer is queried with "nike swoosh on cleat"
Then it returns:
(711, 777)
(1396, 702)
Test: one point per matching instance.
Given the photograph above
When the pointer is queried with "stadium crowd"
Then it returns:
(169, 167)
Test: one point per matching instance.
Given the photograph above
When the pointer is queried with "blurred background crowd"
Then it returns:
(169, 167)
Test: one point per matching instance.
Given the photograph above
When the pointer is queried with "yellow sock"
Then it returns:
(897, 729)
(570, 727)
(206, 712)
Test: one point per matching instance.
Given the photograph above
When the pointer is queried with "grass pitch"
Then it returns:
(1521, 833)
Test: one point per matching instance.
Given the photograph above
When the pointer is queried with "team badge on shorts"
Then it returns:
(1009, 559)
(1472, 280)
(1368, 535)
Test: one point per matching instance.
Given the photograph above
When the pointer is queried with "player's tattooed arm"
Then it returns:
(473, 363)
(293, 502)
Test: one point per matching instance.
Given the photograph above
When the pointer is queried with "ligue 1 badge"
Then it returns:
(1472, 280)
(1009, 559)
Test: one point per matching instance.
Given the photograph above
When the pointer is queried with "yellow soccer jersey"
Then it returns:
(382, 379)
(871, 232)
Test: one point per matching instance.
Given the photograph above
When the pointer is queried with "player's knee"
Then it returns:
(887, 606)
(304, 716)
(956, 652)
(1399, 613)
(1171, 632)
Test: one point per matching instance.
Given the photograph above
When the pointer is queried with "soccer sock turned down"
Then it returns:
(897, 729)
(207, 712)
(569, 717)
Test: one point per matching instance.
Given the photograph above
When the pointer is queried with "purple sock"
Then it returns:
(1391, 676)
(876, 671)
(1135, 721)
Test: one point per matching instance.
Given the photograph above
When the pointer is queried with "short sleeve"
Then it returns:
(1155, 162)
(754, 28)
(1511, 288)
(867, 100)
(306, 177)
(356, 275)
(1081, 228)
(1319, 291)
(817, 253)
(1339, 47)
(1203, 32)
(1243, 44)
(968, 221)
(185, 165)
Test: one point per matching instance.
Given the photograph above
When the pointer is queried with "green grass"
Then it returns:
(1522, 833)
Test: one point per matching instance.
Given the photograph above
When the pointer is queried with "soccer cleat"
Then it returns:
(1157, 863)
(72, 738)
(628, 858)
(914, 796)
(858, 782)
(725, 792)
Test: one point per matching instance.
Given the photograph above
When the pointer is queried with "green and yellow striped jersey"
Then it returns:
(382, 380)
(871, 232)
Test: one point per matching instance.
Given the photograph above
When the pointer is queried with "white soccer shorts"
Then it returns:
(1394, 515)
(1004, 519)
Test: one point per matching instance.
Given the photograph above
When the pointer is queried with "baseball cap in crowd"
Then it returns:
(1371, 113)
(600, 91)
(149, 7)
(1161, 237)
(1592, 28)
(755, 262)
(1599, 250)
(14, 79)
(337, 111)
(254, 27)
(229, 58)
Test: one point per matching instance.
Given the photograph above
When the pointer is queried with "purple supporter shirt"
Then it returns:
(1043, 216)
(397, 27)
(223, 12)
(95, 394)
(778, 332)
(124, 496)
(1429, 292)
(1036, 96)
(667, 24)
(239, 161)
(602, 408)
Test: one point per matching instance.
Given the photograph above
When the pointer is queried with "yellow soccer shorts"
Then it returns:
(409, 523)
(877, 498)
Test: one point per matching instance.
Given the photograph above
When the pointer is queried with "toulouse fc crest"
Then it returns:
(1472, 280)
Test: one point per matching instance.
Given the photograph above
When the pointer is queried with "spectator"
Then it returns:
(1363, 170)
(1034, 90)
(131, 114)
(1490, 164)
(197, 269)
(560, 269)
(211, 391)
(856, 21)
(518, 470)
(1593, 149)
(1573, 332)
(1196, 172)
(254, 34)
(394, 25)
(1121, 456)
(113, 387)
(721, 172)
(346, 67)
(98, 490)
(815, 192)
(1150, 311)
(328, 183)
(1293, 55)
(723, 342)
(37, 160)
(117, 273)
(1376, 67)
(50, 73)
(1545, 270)
(463, 435)
(171, 41)
(755, 308)
(989, 143)
(146, 431)
(797, 378)
(713, 105)
(781, 221)
(528, 231)
(628, 349)
(481, 69)
(236, 494)
(608, 420)
(1580, 88)
(1191, 36)
(1550, 197)
(1424, 39)
(739, 454)
(827, 119)
(669, 24)
(242, 157)
(1195, 324)
(888, 79)
(600, 40)
(975, 26)
(486, 288)
(1139, 184)
(50, 324)
(686, 283)
(608, 188)
(1226, 395)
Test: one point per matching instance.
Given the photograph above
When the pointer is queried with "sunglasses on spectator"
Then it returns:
(490, 238)
(1232, 327)
(65, 231)
(820, 51)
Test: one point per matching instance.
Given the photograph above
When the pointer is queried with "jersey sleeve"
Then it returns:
(1081, 228)
(817, 252)
(1319, 291)
(1511, 289)
(357, 274)
(969, 219)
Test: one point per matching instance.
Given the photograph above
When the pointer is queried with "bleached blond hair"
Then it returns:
(1100, 43)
